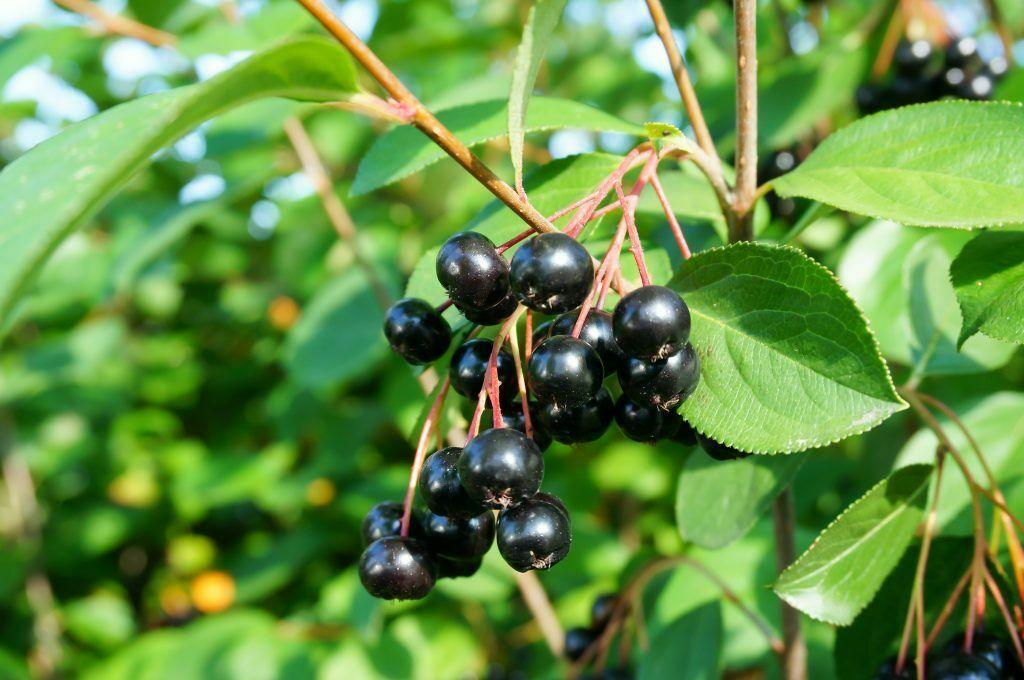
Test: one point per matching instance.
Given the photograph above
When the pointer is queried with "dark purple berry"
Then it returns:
(396, 568)
(469, 366)
(566, 371)
(978, 87)
(664, 382)
(685, 435)
(416, 332)
(652, 322)
(459, 539)
(471, 270)
(552, 273)
(385, 519)
(533, 535)
(601, 611)
(597, 332)
(913, 57)
(577, 641)
(541, 332)
(575, 424)
(887, 671)
(513, 418)
(959, 665)
(555, 501)
(491, 315)
(996, 651)
(502, 466)
(447, 568)
(718, 450)
(441, 488)
(963, 53)
(640, 422)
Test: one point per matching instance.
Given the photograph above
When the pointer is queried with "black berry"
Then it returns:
(385, 519)
(552, 273)
(601, 611)
(554, 501)
(565, 370)
(459, 539)
(661, 382)
(416, 332)
(997, 652)
(574, 424)
(491, 315)
(887, 671)
(718, 450)
(396, 568)
(447, 568)
(577, 641)
(501, 466)
(651, 322)
(441, 488)
(541, 332)
(597, 332)
(513, 418)
(471, 270)
(469, 366)
(959, 665)
(640, 422)
(963, 53)
(685, 434)
(912, 57)
(533, 535)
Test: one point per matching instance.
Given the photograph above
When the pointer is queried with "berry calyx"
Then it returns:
(397, 568)
(565, 370)
(416, 331)
(457, 538)
(552, 273)
(469, 367)
(664, 383)
(385, 519)
(577, 641)
(651, 322)
(500, 467)
(575, 424)
(470, 268)
(533, 535)
(441, 488)
(597, 332)
(640, 422)
(718, 450)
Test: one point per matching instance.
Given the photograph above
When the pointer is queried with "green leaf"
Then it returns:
(845, 566)
(875, 268)
(688, 647)
(717, 502)
(59, 185)
(102, 620)
(783, 344)
(540, 24)
(405, 150)
(946, 164)
(988, 276)
(272, 22)
(338, 335)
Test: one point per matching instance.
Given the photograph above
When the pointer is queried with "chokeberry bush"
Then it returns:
(447, 339)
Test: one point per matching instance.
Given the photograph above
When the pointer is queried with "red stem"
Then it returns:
(628, 210)
(677, 231)
(421, 453)
(443, 306)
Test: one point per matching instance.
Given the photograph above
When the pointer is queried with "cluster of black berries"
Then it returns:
(924, 74)
(990, 658)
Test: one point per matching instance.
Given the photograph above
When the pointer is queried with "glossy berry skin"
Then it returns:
(718, 450)
(385, 519)
(552, 273)
(664, 383)
(685, 435)
(471, 270)
(997, 652)
(597, 332)
(639, 422)
(963, 53)
(887, 671)
(447, 568)
(469, 366)
(500, 467)
(577, 641)
(492, 315)
(601, 611)
(513, 418)
(541, 332)
(651, 322)
(459, 539)
(533, 535)
(416, 332)
(554, 501)
(441, 488)
(575, 424)
(565, 370)
(913, 57)
(396, 568)
(959, 665)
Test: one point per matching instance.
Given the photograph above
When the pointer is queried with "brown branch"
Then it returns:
(425, 121)
(794, 652)
(543, 613)
(746, 119)
(119, 25)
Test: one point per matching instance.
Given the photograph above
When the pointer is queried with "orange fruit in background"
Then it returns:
(212, 591)
(283, 312)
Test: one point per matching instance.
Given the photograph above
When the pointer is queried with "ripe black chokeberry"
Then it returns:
(887, 671)
(577, 641)
(469, 366)
(554, 501)
(652, 322)
(471, 270)
(552, 273)
(597, 332)
(997, 652)
(574, 424)
(685, 435)
(459, 539)
(601, 611)
(565, 370)
(447, 568)
(958, 665)
(416, 331)
(441, 488)
(397, 568)
(502, 466)
(385, 519)
(491, 315)
(533, 535)
(963, 53)
(513, 418)
(913, 57)
(662, 382)
(640, 422)
(541, 332)
(718, 450)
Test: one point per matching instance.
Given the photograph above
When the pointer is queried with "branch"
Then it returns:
(119, 25)
(794, 651)
(543, 613)
(746, 119)
(425, 121)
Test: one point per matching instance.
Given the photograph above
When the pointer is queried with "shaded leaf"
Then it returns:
(988, 276)
(689, 647)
